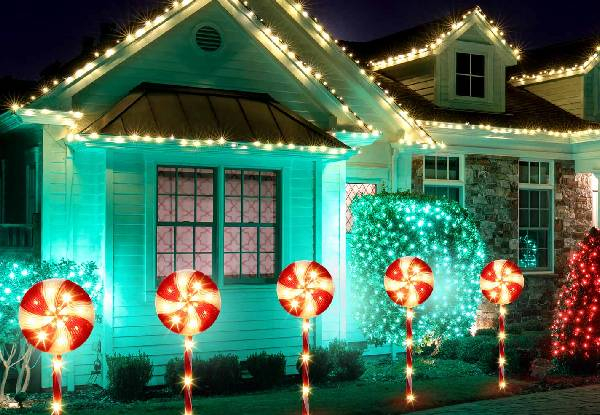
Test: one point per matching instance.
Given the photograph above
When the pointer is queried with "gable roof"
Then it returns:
(555, 61)
(165, 110)
(524, 110)
(379, 109)
(426, 39)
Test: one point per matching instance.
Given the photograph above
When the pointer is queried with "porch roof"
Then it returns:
(197, 113)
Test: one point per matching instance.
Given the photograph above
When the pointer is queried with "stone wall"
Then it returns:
(492, 197)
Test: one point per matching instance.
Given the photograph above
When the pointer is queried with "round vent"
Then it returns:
(208, 39)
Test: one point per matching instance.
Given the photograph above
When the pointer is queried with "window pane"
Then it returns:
(523, 218)
(268, 211)
(164, 265)
(204, 209)
(353, 191)
(166, 208)
(249, 265)
(523, 198)
(267, 239)
(251, 181)
(233, 209)
(233, 183)
(166, 181)
(231, 239)
(534, 218)
(231, 266)
(184, 239)
(523, 172)
(544, 173)
(463, 85)
(185, 208)
(534, 173)
(249, 239)
(250, 209)
(204, 182)
(267, 185)
(430, 167)
(203, 263)
(164, 239)
(534, 199)
(463, 64)
(454, 194)
(454, 166)
(267, 265)
(185, 181)
(185, 261)
(203, 239)
(442, 168)
(478, 87)
(478, 65)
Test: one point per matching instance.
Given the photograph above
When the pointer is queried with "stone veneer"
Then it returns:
(491, 195)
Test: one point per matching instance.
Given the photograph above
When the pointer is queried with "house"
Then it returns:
(231, 138)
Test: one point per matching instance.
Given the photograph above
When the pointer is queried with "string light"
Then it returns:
(57, 385)
(576, 322)
(110, 53)
(508, 130)
(557, 73)
(207, 143)
(432, 47)
(502, 356)
(394, 225)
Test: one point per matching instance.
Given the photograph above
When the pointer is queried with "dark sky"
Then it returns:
(36, 33)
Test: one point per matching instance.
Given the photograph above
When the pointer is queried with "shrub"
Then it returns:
(486, 332)
(321, 365)
(478, 349)
(534, 325)
(20, 398)
(347, 363)
(174, 373)
(221, 374)
(267, 370)
(448, 349)
(128, 375)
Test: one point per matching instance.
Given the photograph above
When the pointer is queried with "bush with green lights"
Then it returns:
(388, 226)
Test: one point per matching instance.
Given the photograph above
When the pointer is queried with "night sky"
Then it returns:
(38, 33)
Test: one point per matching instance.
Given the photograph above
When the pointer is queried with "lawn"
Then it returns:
(353, 398)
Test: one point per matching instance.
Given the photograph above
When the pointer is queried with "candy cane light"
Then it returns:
(408, 282)
(56, 316)
(501, 283)
(305, 290)
(187, 303)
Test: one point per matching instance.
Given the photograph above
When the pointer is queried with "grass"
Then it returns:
(362, 397)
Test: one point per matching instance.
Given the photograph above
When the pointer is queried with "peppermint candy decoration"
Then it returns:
(56, 316)
(188, 302)
(502, 281)
(305, 289)
(408, 281)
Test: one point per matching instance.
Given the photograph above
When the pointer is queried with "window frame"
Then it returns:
(219, 223)
(458, 183)
(534, 186)
(490, 74)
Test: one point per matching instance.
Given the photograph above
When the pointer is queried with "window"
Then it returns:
(443, 178)
(187, 228)
(250, 225)
(354, 190)
(470, 75)
(535, 215)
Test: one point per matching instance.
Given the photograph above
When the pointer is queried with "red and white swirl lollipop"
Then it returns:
(502, 282)
(56, 316)
(305, 289)
(187, 303)
(408, 282)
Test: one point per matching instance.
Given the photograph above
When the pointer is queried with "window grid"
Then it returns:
(474, 77)
(535, 215)
(354, 190)
(266, 258)
(442, 177)
(177, 197)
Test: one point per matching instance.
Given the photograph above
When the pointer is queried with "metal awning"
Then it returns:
(195, 113)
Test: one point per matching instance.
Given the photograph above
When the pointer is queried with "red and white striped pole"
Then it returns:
(57, 385)
(188, 377)
(305, 362)
(501, 338)
(410, 397)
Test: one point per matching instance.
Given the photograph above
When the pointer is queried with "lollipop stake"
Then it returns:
(57, 385)
(305, 290)
(305, 362)
(188, 378)
(501, 338)
(409, 361)
(501, 283)
(408, 281)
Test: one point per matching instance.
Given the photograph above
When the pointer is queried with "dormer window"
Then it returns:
(470, 75)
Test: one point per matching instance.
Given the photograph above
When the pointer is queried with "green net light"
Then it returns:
(388, 226)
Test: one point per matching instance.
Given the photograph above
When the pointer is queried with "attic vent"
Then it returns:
(208, 39)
